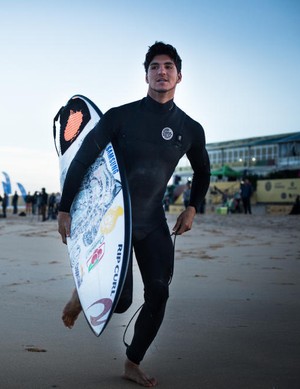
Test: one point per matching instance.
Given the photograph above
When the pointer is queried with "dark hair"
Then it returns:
(160, 48)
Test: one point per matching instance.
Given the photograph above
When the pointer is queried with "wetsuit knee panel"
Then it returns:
(124, 303)
(156, 295)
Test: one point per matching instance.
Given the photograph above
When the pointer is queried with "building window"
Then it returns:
(220, 157)
(270, 152)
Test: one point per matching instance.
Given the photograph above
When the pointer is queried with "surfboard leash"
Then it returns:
(137, 311)
(174, 242)
(125, 332)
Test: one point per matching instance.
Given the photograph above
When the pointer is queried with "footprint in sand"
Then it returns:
(34, 349)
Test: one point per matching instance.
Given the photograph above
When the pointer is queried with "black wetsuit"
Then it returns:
(152, 137)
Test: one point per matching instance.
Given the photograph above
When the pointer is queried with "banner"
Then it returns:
(214, 195)
(22, 190)
(6, 184)
(278, 191)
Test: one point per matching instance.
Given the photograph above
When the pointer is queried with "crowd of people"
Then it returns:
(39, 203)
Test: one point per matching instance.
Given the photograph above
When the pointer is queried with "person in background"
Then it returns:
(296, 207)
(187, 194)
(28, 203)
(246, 193)
(51, 207)
(15, 203)
(4, 204)
(43, 203)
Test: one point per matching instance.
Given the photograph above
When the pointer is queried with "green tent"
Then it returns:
(226, 171)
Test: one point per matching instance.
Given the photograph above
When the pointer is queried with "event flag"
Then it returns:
(6, 184)
(22, 190)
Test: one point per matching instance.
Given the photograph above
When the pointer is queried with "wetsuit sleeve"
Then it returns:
(199, 160)
(93, 144)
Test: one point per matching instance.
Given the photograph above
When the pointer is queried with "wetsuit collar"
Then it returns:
(158, 107)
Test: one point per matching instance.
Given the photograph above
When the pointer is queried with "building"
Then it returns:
(258, 155)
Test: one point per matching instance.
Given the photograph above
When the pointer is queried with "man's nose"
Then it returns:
(161, 69)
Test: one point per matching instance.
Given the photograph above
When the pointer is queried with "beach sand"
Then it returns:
(232, 321)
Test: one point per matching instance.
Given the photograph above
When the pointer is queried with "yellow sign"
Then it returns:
(214, 195)
(278, 191)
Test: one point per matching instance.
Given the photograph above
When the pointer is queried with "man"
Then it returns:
(4, 203)
(187, 194)
(152, 134)
(246, 193)
(15, 202)
(43, 203)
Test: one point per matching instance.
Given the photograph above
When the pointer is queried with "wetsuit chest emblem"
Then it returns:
(167, 133)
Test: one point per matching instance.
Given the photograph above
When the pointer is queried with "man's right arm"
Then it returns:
(95, 141)
(72, 183)
(93, 144)
(64, 225)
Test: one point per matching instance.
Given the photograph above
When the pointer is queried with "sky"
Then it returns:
(241, 68)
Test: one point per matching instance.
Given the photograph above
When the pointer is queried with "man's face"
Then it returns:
(162, 75)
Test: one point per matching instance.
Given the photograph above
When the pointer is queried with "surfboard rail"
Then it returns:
(100, 241)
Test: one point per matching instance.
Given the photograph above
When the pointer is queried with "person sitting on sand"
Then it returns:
(296, 207)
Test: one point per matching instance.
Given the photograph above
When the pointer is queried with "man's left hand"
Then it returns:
(184, 221)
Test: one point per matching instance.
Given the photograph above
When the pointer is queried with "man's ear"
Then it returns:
(146, 78)
(179, 77)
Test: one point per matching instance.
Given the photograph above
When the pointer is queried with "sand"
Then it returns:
(232, 321)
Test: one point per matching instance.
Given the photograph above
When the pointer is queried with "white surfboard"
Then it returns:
(100, 240)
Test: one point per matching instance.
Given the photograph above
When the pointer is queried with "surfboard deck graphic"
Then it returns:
(100, 239)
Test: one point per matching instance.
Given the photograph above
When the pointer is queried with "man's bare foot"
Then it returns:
(133, 373)
(71, 310)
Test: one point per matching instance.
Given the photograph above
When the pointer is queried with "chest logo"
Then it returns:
(167, 133)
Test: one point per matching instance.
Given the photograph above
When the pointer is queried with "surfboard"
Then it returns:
(100, 240)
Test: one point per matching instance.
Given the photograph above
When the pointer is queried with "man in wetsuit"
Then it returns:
(152, 134)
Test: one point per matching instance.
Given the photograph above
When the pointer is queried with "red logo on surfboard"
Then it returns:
(73, 124)
(96, 257)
